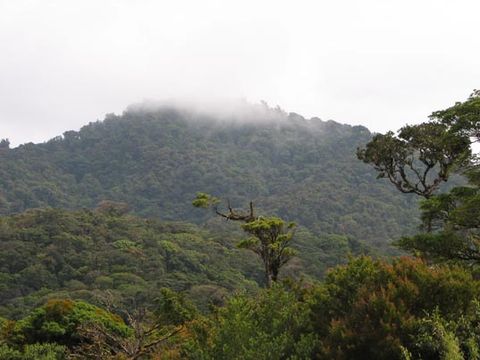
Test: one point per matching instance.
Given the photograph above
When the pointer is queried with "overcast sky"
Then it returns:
(379, 63)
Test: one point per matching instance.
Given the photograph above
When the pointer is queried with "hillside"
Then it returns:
(157, 158)
(87, 254)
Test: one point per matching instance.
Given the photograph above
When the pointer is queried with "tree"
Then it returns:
(372, 309)
(34, 352)
(270, 236)
(451, 220)
(270, 240)
(463, 117)
(59, 319)
(272, 325)
(150, 330)
(419, 159)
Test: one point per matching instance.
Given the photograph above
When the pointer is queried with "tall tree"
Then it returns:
(451, 220)
(419, 158)
(270, 236)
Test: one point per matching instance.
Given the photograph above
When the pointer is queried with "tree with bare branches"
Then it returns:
(418, 160)
(150, 330)
(270, 236)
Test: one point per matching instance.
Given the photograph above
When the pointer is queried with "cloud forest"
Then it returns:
(175, 232)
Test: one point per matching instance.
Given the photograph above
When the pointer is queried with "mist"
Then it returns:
(221, 110)
(375, 63)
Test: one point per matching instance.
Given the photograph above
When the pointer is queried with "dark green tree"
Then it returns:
(454, 221)
(451, 220)
(272, 325)
(463, 117)
(419, 158)
(270, 236)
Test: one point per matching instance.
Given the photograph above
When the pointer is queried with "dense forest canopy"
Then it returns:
(156, 158)
(51, 253)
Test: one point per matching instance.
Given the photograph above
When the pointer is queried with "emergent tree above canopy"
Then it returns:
(270, 236)
(419, 158)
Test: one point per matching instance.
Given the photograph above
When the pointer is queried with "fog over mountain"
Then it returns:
(239, 111)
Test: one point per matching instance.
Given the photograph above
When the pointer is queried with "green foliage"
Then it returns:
(34, 352)
(451, 220)
(435, 341)
(64, 329)
(150, 331)
(367, 309)
(270, 240)
(203, 200)
(372, 309)
(173, 308)
(85, 255)
(419, 158)
(271, 326)
(463, 117)
(155, 159)
(58, 320)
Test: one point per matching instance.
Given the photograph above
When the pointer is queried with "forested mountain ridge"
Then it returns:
(157, 158)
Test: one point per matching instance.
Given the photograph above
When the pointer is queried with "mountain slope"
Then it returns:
(157, 158)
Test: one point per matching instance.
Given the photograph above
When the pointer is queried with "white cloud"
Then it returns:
(375, 62)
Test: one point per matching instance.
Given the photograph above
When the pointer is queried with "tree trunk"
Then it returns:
(274, 275)
(268, 276)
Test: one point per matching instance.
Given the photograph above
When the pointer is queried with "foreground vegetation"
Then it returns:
(365, 309)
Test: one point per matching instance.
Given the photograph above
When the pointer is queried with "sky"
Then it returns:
(378, 63)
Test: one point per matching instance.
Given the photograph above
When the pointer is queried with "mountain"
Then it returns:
(155, 158)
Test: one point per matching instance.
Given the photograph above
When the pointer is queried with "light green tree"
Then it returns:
(270, 237)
